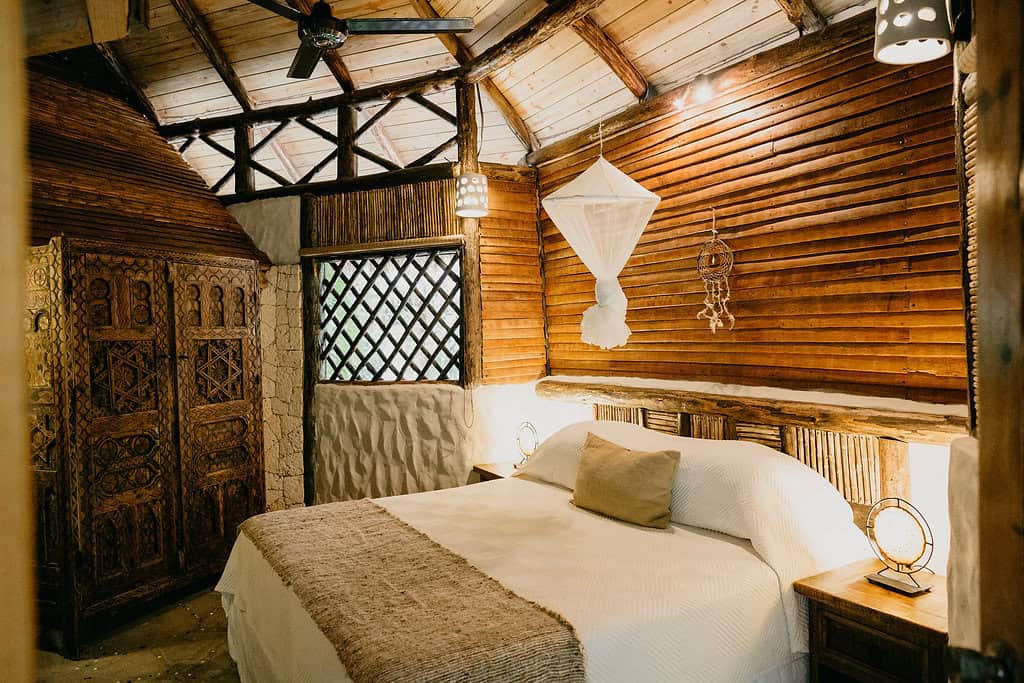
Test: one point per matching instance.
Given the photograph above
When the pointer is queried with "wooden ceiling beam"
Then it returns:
(336, 65)
(124, 78)
(611, 54)
(553, 18)
(203, 35)
(803, 14)
(460, 51)
(558, 15)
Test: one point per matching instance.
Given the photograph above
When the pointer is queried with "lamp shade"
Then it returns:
(911, 31)
(602, 213)
(471, 195)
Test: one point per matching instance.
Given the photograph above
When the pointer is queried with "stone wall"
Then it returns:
(281, 339)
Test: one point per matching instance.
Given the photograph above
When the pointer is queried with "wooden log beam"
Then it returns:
(610, 53)
(57, 25)
(550, 20)
(201, 33)
(468, 137)
(124, 78)
(336, 65)
(558, 15)
(463, 56)
(747, 72)
(803, 14)
(921, 427)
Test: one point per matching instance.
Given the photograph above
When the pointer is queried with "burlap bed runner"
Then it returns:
(399, 607)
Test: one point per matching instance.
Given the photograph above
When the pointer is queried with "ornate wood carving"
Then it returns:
(110, 476)
(219, 401)
(122, 459)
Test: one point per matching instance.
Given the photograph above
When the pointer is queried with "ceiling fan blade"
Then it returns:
(305, 60)
(276, 7)
(399, 26)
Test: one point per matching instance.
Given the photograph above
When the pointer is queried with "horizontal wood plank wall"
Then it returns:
(513, 310)
(513, 315)
(101, 171)
(834, 182)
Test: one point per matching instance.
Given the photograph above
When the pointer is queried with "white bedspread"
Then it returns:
(647, 604)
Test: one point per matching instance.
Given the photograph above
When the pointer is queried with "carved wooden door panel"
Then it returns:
(124, 477)
(219, 399)
(42, 289)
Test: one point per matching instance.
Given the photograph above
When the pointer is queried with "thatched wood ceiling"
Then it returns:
(556, 89)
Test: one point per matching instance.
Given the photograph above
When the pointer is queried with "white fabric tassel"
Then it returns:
(604, 324)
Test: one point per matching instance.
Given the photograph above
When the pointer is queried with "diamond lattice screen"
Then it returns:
(391, 317)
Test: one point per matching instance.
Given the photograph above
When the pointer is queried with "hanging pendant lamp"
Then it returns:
(602, 213)
(911, 31)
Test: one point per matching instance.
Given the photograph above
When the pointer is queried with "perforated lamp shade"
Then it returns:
(899, 536)
(602, 213)
(911, 31)
(471, 195)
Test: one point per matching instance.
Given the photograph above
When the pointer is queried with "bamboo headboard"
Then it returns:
(861, 451)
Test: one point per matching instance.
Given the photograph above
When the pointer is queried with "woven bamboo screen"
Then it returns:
(415, 210)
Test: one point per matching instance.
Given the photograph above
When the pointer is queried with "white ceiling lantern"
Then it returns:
(911, 31)
(602, 213)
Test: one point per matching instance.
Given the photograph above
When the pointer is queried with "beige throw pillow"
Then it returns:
(633, 486)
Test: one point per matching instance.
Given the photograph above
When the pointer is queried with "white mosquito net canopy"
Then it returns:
(602, 213)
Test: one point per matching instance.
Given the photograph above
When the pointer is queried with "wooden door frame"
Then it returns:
(1000, 30)
(17, 597)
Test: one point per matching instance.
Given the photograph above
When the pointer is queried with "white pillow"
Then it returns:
(558, 457)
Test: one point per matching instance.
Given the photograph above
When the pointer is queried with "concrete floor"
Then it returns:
(184, 641)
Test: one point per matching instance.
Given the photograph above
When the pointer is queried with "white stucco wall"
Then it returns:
(273, 224)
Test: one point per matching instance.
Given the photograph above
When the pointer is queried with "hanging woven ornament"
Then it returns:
(714, 263)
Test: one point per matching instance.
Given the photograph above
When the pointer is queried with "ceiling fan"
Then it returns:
(319, 31)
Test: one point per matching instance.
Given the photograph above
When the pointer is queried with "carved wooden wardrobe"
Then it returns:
(146, 434)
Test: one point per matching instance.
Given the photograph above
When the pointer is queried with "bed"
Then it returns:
(708, 599)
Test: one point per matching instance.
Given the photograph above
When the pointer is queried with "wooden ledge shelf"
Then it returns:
(919, 427)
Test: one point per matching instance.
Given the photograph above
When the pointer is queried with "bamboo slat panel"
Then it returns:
(400, 212)
(969, 140)
(100, 171)
(853, 463)
(514, 348)
(834, 181)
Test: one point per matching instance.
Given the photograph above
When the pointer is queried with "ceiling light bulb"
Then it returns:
(703, 90)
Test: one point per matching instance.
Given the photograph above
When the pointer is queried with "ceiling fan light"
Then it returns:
(911, 31)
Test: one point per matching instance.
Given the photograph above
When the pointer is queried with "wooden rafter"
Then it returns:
(549, 21)
(336, 65)
(463, 56)
(202, 34)
(546, 23)
(610, 53)
(123, 77)
(803, 14)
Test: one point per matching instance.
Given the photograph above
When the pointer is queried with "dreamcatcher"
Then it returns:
(714, 263)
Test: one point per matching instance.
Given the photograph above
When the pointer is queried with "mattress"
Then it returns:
(648, 605)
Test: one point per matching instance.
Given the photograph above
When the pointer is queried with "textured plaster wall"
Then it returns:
(281, 340)
(395, 439)
(273, 225)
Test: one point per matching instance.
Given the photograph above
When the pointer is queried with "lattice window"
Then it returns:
(393, 317)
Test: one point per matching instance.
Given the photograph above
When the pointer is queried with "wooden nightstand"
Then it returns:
(862, 632)
(490, 471)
